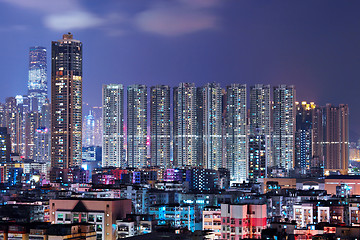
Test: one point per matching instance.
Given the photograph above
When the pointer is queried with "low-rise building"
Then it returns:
(240, 221)
(175, 215)
(103, 213)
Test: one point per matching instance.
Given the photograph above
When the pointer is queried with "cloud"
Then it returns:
(72, 20)
(57, 16)
(162, 17)
(174, 22)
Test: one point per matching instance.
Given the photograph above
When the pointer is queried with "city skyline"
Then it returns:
(273, 47)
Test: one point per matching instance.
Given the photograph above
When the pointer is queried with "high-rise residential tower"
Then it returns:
(37, 84)
(160, 125)
(336, 137)
(66, 102)
(113, 132)
(236, 132)
(259, 118)
(185, 126)
(284, 126)
(257, 157)
(304, 136)
(211, 98)
(137, 125)
(32, 123)
(12, 119)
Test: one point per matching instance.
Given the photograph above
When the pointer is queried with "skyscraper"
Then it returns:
(211, 96)
(12, 122)
(160, 125)
(260, 109)
(113, 132)
(284, 126)
(46, 115)
(260, 124)
(257, 157)
(137, 125)
(89, 131)
(336, 138)
(42, 145)
(318, 161)
(185, 125)
(66, 102)
(304, 136)
(37, 84)
(236, 132)
(32, 124)
(22, 111)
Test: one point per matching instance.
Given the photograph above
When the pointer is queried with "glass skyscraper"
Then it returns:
(89, 131)
(37, 84)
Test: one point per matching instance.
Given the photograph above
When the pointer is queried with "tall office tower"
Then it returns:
(160, 125)
(42, 149)
(66, 102)
(260, 116)
(113, 132)
(89, 130)
(284, 126)
(257, 157)
(304, 136)
(236, 132)
(185, 125)
(32, 123)
(211, 96)
(137, 125)
(5, 145)
(336, 138)
(37, 84)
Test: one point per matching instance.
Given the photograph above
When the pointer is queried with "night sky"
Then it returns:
(314, 45)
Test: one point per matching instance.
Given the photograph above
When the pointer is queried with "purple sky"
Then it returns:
(314, 45)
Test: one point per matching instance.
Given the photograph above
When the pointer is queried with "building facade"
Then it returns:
(336, 138)
(66, 102)
(137, 125)
(37, 83)
(260, 116)
(160, 125)
(113, 126)
(186, 135)
(284, 126)
(211, 119)
(236, 132)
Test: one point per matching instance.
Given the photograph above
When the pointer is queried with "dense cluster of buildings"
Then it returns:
(187, 162)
